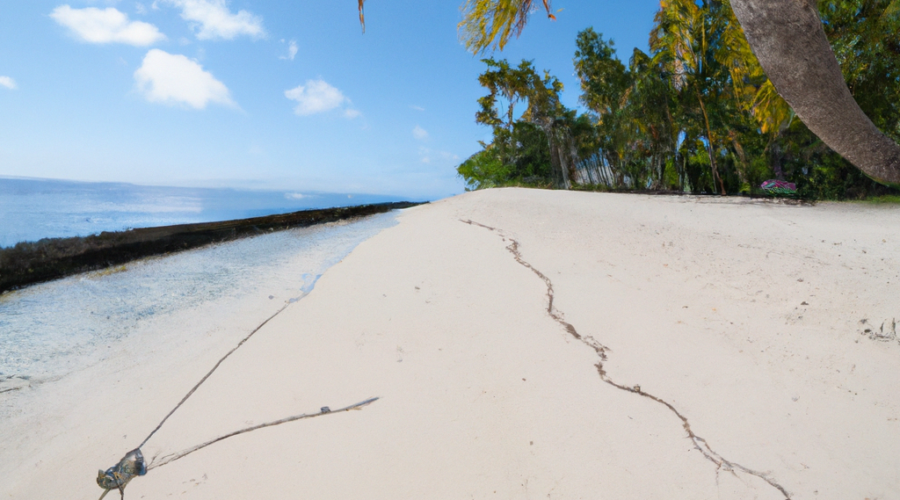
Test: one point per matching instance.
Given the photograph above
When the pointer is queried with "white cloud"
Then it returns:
(427, 155)
(108, 25)
(292, 51)
(351, 113)
(140, 9)
(417, 108)
(215, 21)
(8, 82)
(420, 133)
(317, 96)
(175, 79)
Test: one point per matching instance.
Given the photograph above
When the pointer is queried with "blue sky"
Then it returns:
(264, 94)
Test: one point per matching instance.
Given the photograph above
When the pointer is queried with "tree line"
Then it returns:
(697, 114)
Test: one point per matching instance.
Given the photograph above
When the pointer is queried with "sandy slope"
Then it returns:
(736, 365)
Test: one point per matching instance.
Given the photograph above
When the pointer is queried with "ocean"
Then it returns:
(31, 209)
(51, 329)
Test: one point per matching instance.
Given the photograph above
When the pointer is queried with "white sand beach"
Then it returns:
(695, 348)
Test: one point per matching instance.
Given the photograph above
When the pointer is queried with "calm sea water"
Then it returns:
(34, 209)
(52, 329)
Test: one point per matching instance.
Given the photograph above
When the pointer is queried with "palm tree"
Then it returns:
(547, 112)
(488, 22)
(788, 39)
(511, 83)
(606, 86)
(493, 22)
(687, 41)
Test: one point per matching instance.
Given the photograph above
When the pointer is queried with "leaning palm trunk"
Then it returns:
(789, 41)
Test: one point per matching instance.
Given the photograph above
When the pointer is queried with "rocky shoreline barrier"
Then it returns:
(28, 263)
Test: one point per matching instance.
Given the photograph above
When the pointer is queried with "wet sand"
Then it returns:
(524, 344)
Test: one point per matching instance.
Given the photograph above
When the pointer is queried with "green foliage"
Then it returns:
(541, 145)
(528, 161)
(483, 169)
(529, 154)
(697, 114)
(865, 36)
(491, 23)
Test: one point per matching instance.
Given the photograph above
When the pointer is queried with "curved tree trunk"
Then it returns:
(789, 41)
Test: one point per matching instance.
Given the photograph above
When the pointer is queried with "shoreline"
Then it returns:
(49, 259)
(51, 329)
(716, 351)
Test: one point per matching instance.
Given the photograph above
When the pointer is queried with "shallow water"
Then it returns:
(51, 329)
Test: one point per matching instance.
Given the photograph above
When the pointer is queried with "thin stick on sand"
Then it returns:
(181, 454)
(325, 411)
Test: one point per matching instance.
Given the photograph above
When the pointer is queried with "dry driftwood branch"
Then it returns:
(324, 411)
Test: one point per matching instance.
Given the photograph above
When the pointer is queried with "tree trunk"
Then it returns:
(709, 148)
(776, 161)
(789, 41)
(560, 172)
(742, 158)
(661, 164)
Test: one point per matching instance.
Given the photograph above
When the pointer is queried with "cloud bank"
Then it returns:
(215, 21)
(108, 25)
(175, 79)
(8, 82)
(317, 96)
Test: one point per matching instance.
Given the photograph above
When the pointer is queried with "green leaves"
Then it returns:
(604, 79)
(483, 169)
(491, 23)
(488, 22)
(697, 113)
(521, 148)
(865, 36)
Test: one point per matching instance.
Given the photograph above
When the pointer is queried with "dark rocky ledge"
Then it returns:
(54, 258)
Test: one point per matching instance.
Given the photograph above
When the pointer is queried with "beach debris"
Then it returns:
(133, 464)
(881, 334)
(118, 476)
(777, 187)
